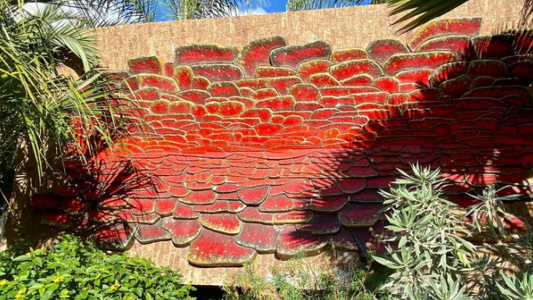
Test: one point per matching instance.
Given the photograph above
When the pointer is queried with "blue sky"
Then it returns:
(276, 6)
(273, 6)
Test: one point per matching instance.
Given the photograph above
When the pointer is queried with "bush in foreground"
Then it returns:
(77, 270)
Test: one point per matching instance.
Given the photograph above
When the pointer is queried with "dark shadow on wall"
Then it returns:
(473, 119)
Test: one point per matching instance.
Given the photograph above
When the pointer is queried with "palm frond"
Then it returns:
(318, 4)
(419, 12)
(197, 9)
(40, 109)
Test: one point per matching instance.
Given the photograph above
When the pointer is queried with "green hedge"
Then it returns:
(73, 269)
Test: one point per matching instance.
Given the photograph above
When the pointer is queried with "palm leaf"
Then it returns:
(318, 4)
(419, 12)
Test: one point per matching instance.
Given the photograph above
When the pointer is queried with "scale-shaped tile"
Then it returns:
(212, 249)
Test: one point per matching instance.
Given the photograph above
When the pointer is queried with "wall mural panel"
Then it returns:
(283, 148)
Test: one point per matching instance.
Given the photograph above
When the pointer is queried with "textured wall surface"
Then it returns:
(351, 27)
(276, 149)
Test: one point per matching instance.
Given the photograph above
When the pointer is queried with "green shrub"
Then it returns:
(297, 280)
(77, 270)
(430, 256)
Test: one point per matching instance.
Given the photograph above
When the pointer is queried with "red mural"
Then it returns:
(283, 149)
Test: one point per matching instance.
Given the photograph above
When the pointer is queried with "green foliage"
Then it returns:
(318, 4)
(297, 280)
(41, 110)
(426, 230)
(431, 259)
(77, 270)
(517, 287)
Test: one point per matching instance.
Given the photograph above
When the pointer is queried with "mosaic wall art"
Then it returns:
(282, 149)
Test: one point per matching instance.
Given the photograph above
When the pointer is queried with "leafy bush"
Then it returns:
(428, 251)
(298, 281)
(77, 270)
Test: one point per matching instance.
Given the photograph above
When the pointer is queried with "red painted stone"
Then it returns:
(426, 60)
(264, 114)
(231, 109)
(348, 54)
(218, 72)
(200, 83)
(146, 65)
(194, 96)
(254, 195)
(488, 67)
(118, 237)
(152, 233)
(305, 92)
(323, 80)
(221, 222)
(168, 69)
(274, 72)
(200, 197)
(184, 76)
(379, 98)
(292, 242)
(277, 103)
(259, 237)
(387, 84)
(420, 77)
(329, 204)
(344, 241)
(223, 89)
(252, 214)
(461, 46)
(381, 50)
(349, 69)
(164, 84)
(522, 70)
(265, 93)
(278, 203)
(183, 211)
(257, 53)
(182, 232)
(351, 185)
(465, 26)
(165, 207)
(309, 68)
(195, 54)
(321, 224)
(212, 249)
(281, 84)
(356, 215)
(448, 71)
(494, 46)
(293, 55)
(456, 87)
(358, 80)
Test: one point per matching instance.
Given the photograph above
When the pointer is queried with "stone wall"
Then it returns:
(261, 153)
(342, 28)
